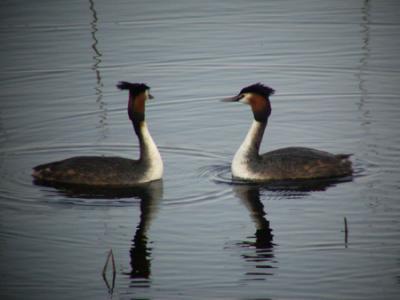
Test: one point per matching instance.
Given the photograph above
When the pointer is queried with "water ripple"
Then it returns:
(221, 174)
(18, 162)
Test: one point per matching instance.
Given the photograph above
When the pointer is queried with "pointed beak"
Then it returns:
(233, 99)
(151, 96)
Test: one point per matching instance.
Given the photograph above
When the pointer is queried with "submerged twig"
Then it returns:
(110, 255)
(346, 232)
(113, 262)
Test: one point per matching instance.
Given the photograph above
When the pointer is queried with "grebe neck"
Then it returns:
(150, 158)
(251, 144)
(248, 151)
(149, 153)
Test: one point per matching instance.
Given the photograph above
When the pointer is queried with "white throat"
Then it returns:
(149, 154)
(248, 151)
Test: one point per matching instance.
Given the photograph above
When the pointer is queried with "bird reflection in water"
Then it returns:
(150, 195)
(140, 252)
(263, 255)
(259, 252)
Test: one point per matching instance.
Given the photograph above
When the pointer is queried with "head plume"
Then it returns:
(259, 89)
(135, 110)
(134, 88)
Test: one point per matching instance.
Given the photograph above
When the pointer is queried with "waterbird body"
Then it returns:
(111, 171)
(292, 163)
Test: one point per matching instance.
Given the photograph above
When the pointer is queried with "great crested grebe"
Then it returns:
(111, 171)
(292, 163)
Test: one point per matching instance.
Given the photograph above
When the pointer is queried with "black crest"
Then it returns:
(259, 89)
(134, 88)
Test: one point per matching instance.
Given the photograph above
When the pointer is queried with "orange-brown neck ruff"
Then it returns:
(139, 105)
(261, 108)
(136, 108)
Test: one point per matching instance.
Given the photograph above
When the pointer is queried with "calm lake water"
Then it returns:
(196, 235)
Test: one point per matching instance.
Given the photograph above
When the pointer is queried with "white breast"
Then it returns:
(150, 156)
(248, 152)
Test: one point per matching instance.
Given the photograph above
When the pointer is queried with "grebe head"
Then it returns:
(139, 93)
(257, 96)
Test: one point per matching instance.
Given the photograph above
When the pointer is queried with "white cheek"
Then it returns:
(245, 99)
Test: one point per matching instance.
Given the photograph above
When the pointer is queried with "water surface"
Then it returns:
(197, 235)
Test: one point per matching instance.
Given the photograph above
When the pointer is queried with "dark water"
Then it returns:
(335, 66)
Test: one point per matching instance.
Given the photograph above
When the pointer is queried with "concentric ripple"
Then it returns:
(180, 183)
(221, 174)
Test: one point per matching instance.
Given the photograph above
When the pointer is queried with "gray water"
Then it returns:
(197, 235)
